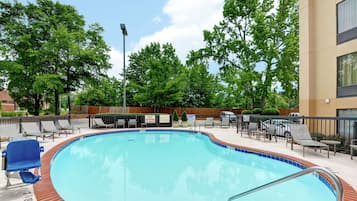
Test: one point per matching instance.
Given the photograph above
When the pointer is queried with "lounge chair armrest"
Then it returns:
(289, 137)
(3, 153)
(353, 140)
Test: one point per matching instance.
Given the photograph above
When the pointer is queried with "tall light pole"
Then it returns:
(125, 33)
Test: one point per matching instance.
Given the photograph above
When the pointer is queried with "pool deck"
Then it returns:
(341, 164)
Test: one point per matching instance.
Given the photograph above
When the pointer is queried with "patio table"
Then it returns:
(331, 142)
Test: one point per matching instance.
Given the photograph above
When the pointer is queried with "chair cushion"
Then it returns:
(29, 177)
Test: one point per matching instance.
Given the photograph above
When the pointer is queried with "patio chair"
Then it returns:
(225, 122)
(253, 129)
(33, 129)
(353, 147)
(99, 123)
(209, 122)
(300, 135)
(64, 125)
(4, 139)
(50, 127)
(270, 132)
(21, 156)
(120, 123)
(132, 122)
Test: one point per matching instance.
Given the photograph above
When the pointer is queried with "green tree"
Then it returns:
(175, 116)
(257, 48)
(200, 84)
(184, 116)
(155, 76)
(105, 92)
(47, 40)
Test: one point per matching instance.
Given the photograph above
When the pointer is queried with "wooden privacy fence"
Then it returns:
(199, 112)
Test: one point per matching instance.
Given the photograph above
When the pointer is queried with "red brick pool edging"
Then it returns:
(45, 191)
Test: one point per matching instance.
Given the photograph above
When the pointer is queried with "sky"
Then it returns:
(180, 22)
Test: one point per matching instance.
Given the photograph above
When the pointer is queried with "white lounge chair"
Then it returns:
(132, 122)
(301, 135)
(50, 127)
(33, 129)
(353, 147)
(209, 122)
(64, 125)
(99, 123)
(120, 123)
(225, 122)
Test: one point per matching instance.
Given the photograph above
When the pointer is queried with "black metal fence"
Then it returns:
(16, 121)
(343, 129)
(142, 120)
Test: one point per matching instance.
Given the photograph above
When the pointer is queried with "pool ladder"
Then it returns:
(336, 181)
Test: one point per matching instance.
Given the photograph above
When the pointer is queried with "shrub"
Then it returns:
(175, 116)
(257, 111)
(12, 114)
(271, 111)
(246, 112)
(184, 116)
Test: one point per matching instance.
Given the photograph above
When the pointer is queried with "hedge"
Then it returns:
(257, 111)
(246, 112)
(271, 111)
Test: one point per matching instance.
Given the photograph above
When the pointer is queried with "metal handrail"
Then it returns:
(332, 176)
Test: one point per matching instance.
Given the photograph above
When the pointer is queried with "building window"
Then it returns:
(347, 75)
(347, 125)
(346, 21)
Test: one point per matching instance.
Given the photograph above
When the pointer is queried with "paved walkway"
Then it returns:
(339, 164)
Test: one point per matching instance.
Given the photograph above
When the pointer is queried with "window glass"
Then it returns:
(347, 70)
(347, 15)
(346, 127)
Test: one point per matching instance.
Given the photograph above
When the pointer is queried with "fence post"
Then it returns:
(20, 122)
(89, 116)
(354, 130)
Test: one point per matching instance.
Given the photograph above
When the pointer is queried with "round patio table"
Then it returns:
(331, 142)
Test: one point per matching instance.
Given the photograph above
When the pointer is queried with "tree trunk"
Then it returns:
(69, 103)
(262, 102)
(36, 110)
(57, 103)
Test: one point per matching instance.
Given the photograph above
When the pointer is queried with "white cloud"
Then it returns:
(156, 20)
(116, 59)
(188, 19)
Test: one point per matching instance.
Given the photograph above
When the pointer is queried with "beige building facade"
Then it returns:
(328, 57)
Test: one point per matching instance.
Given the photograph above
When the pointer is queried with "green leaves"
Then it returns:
(257, 48)
(155, 76)
(57, 55)
(47, 82)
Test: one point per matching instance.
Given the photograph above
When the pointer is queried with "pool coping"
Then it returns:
(44, 190)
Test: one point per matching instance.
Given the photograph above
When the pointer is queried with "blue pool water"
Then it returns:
(172, 166)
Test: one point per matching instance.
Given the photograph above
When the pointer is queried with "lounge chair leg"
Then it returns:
(303, 151)
(351, 153)
(7, 179)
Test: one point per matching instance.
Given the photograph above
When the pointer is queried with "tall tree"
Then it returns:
(155, 76)
(201, 86)
(256, 45)
(105, 92)
(47, 41)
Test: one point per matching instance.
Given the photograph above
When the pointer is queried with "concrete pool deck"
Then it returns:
(341, 164)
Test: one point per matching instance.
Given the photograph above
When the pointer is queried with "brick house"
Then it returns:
(8, 104)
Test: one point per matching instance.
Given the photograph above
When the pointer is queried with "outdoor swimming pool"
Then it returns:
(172, 165)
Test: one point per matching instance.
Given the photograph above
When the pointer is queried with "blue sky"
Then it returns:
(179, 22)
